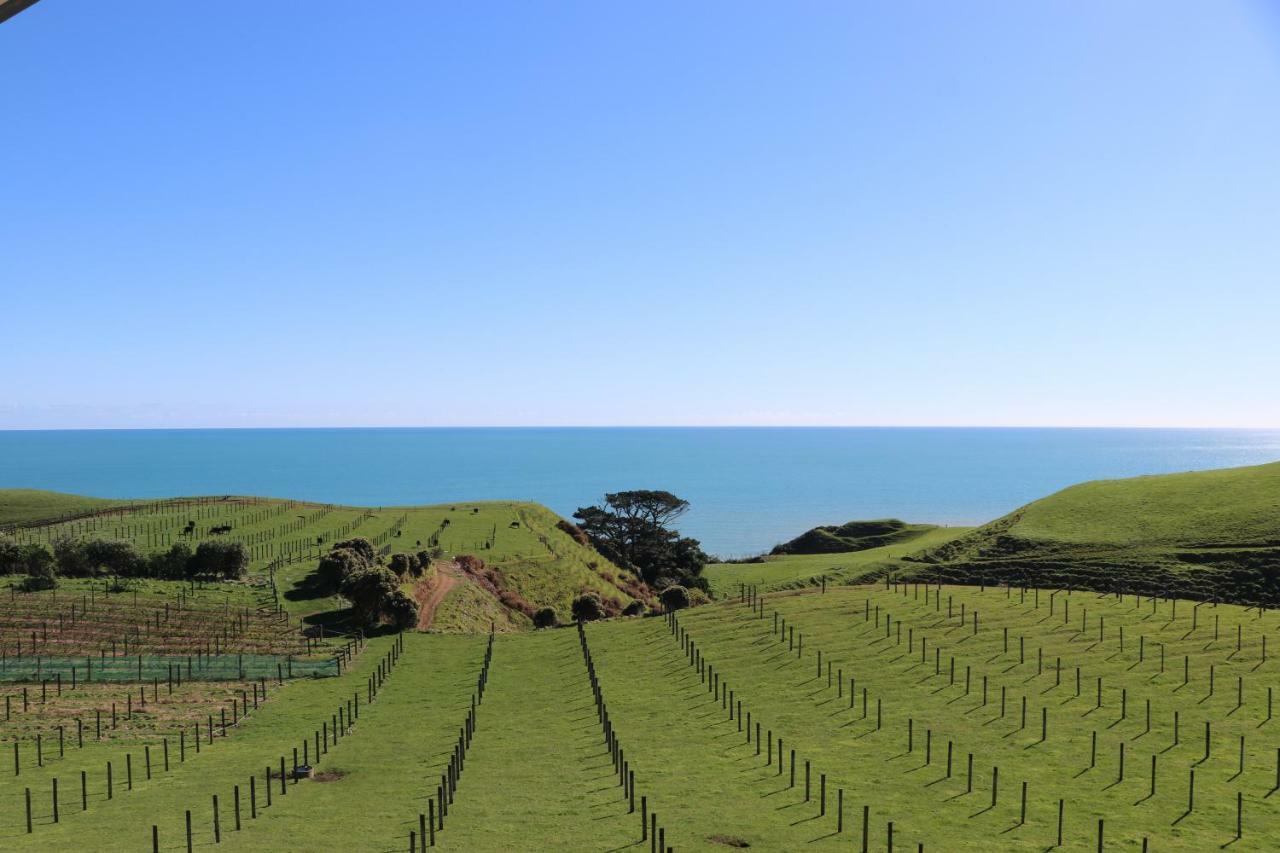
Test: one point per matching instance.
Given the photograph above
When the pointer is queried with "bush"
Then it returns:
(377, 599)
(587, 608)
(171, 564)
(227, 560)
(11, 559)
(339, 564)
(41, 574)
(401, 611)
(114, 557)
(546, 618)
(675, 597)
(72, 558)
(575, 532)
(403, 565)
(361, 546)
(635, 608)
(697, 597)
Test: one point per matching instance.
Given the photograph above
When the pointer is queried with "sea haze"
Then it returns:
(749, 487)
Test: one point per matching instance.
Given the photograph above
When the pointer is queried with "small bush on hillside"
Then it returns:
(635, 608)
(18, 559)
(113, 557)
(574, 531)
(226, 560)
(546, 618)
(675, 597)
(361, 546)
(42, 575)
(171, 564)
(697, 597)
(339, 564)
(404, 565)
(72, 558)
(587, 608)
(401, 611)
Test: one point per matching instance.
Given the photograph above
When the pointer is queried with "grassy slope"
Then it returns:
(22, 505)
(794, 570)
(541, 563)
(710, 781)
(1202, 534)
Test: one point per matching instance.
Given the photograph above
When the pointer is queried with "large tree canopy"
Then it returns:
(633, 530)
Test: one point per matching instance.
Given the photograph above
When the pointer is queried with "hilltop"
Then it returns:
(21, 506)
(1202, 534)
(853, 536)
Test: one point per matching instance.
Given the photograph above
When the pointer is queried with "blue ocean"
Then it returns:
(749, 487)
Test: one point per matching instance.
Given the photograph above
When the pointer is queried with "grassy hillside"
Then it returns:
(18, 506)
(853, 536)
(1201, 534)
(789, 571)
(527, 561)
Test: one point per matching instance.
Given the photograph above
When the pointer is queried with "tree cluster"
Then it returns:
(87, 558)
(633, 529)
(355, 570)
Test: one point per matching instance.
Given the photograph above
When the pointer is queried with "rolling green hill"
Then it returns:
(497, 562)
(1202, 534)
(19, 506)
(852, 536)
(793, 571)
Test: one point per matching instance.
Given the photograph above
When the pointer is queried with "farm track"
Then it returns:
(429, 594)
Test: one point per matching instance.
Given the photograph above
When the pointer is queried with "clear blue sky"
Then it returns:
(416, 213)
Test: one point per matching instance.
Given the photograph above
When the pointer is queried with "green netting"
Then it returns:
(226, 667)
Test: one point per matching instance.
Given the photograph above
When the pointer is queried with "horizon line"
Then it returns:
(649, 426)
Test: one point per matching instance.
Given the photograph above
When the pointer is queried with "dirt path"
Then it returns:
(430, 593)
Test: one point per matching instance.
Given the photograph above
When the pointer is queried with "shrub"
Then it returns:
(171, 564)
(228, 560)
(587, 608)
(635, 608)
(546, 618)
(339, 564)
(403, 565)
(113, 557)
(369, 590)
(72, 558)
(41, 574)
(574, 531)
(401, 610)
(11, 557)
(675, 597)
(697, 597)
(361, 546)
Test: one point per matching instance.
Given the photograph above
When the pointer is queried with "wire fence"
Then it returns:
(197, 667)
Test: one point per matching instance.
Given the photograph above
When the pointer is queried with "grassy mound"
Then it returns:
(20, 506)
(852, 536)
(794, 571)
(1202, 534)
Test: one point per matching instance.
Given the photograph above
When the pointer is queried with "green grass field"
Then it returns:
(1203, 534)
(796, 570)
(953, 717)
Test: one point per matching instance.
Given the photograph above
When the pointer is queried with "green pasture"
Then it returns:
(790, 570)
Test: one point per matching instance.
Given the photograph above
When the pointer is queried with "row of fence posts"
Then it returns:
(749, 595)
(431, 821)
(330, 732)
(650, 829)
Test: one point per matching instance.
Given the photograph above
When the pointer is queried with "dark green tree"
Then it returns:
(226, 560)
(633, 529)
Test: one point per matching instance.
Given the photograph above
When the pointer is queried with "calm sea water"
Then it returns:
(749, 488)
